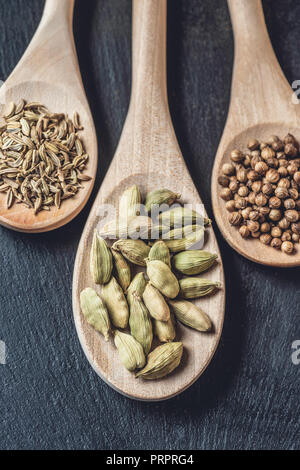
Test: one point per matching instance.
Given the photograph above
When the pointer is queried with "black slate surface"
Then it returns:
(49, 396)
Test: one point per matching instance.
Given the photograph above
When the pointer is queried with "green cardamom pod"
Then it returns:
(130, 351)
(116, 304)
(155, 303)
(194, 287)
(130, 202)
(181, 232)
(160, 251)
(160, 197)
(135, 251)
(162, 361)
(137, 287)
(181, 216)
(165, 330)
(191, 315)
(162, 278)
(157, 231)
(190, 242)
(122, 269)
(134, 227)
(95, 312)
(193, 261)
(140, 323)
(100, 260)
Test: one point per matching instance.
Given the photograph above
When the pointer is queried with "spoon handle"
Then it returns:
(248, 22)
(60, 10)
(149, 54)
(257, 77)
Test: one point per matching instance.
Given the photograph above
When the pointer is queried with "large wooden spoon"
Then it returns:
(49, 73)
(148, 155)
(261, 105)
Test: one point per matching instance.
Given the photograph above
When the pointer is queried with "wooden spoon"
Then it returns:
(48, 73)
(261, 105)
(148, 155)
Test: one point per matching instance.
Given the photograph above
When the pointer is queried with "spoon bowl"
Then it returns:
(261, 105)
(50, 75)
(148, 155)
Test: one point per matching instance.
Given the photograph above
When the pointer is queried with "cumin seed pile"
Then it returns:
(42, 158)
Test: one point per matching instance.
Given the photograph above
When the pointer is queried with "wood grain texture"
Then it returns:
(248, 398)
(147, 155)
(49, 73)
(261, 105)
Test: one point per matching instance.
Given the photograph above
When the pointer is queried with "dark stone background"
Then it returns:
(49, 396)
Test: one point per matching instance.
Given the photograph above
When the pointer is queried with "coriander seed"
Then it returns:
(275, 215)
(286, 237)
(274, 202)
(276, 232)
(295, 237)
(284, 223)
(281, 193)
(253, 226)
(272, 176)
(295, 227)
(276, 243)
(267, 153)
(226, 194)
(292, 169)
(230, 205)
(236, 156)
(293, 193)
(243, 191)
(223, 181)
(290, 150)
(265, 238)
(282, 171)
(287, 247)
(241, 175)
(244, 231)
(252, 175)
(261, 199)
(241, 203)
(297, 177)
(235, 218)
(228, 169)
(265, 227)
(256, 186)
(254, 215)
(234, 186)
(264, 210)
(284, 183)
(253, 144)
(291, 215)
(289, 204)
(261, 168)
(251, 198)
(245, 213)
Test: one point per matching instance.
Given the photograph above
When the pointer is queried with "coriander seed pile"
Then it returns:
(261, 188)
(41, 156)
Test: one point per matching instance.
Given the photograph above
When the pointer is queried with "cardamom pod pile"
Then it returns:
(148, 304)
(261, 189)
